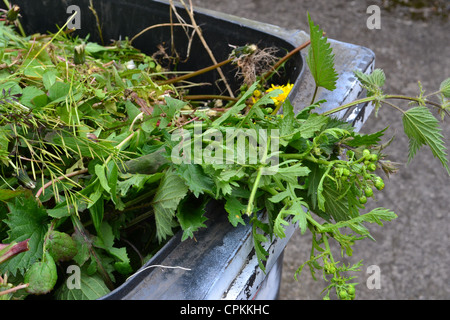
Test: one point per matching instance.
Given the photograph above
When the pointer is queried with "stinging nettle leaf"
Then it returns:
(26, 220)
(320, 58)
(445, 88)
(422, 128)
(169, 194)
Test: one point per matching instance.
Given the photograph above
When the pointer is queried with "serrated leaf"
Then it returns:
(190, 216)
(235, 208)
(258, 240)
(372, 82)
(195, 178)
(313, 124)
(422, 128)
(377, 216)
(26, 220)
(170, 192)
(320, 58)
(445, 88)
(358, 140)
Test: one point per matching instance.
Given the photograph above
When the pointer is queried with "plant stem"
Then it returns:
(401, 97)
(381, 99)
(350, 104)
(160, 25)
(253, 193)
(69, 175)
(208, 97)
(257, 180)
(314, 95)
(196, 73)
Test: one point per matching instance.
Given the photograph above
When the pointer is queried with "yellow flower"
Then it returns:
(279, 99)
(257, 93)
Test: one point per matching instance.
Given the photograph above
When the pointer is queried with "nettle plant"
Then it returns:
(88, 135)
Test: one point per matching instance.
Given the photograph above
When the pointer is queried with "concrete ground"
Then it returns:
(412, 252)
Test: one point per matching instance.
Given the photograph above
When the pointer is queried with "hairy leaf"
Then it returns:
(422, 128)
(26, 220)
(320, 58)
(169, 194)
(190, 216)
(372, 82)
(445, 88)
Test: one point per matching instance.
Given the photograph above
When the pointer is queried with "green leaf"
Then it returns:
(197, 181)
(169, 194)
(445, 88)
(313, 124)
(235, 208)
(136, 181)
(91, 287)
(320, 58)
(258, 240)
(190, 216)
(374, 216)
(359, 140)
(422, 128)
(29, 94)
(295, 210)
(372, 82)
(101, 175)
(237, 107)
(26, 220)
(59, 91)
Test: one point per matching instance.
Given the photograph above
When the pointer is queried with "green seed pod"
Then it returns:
(42, 276)
(61, 246)
(13, 13)
(343, 294)
(351, 290)
(368, 192)
(366, 153)
(79, 56)
(362, 199)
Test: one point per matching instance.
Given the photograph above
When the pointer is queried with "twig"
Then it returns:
(159, 25)
(14, 289)
(69, 175)
(285, 58)
(196, 73)
(94, 12)
(202, 39)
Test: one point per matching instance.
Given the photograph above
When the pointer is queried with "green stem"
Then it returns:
(418, 100)
(385, 97)
(257, 180)
(350, 104)
(253, 193)
(314, 95)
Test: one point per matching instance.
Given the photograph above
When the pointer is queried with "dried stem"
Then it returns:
(160, 25)
(202, 39)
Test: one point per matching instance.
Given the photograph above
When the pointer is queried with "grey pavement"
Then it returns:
(412, 252)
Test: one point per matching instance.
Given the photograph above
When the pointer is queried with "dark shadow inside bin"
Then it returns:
(125, 18)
